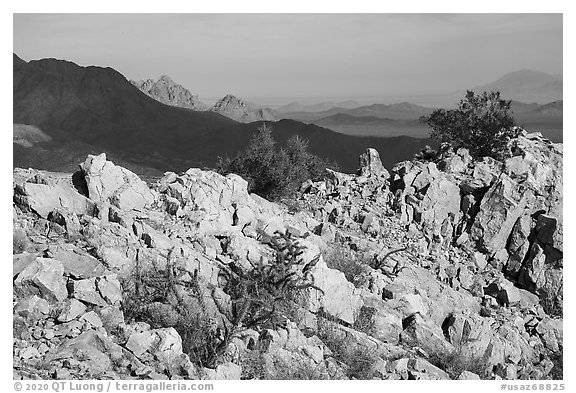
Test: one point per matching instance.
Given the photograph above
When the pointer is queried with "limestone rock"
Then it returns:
(339, 299)
(45, 198)
(32, 306)
(441, 204)
(500, 208)
(424, 334)
(226, 371)
(77, 264)
(43, 277)
(370, 165)
(468, 375)
(85, 290)
(165, 344)
(122, 188)
(71, 310)
(95, 351)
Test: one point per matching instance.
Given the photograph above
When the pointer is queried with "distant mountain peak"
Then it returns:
(230, 99)
(239, 110)
(527, 85)
(169, 92)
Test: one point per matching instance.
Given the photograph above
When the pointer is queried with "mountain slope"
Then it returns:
(400, 111)
(99, 106)
(96, 109)
(239, 110)
(168, 92)
(341, 148)
(319, 107)
(527, 86)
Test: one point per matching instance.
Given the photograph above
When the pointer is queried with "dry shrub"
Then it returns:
(20, 241)
(359, 362)
(347, 261)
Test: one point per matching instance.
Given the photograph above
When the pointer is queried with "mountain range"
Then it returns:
(403, 119)
(239, 110)
(168, 92)
(318, 107)
(93, 109)
(527, 86)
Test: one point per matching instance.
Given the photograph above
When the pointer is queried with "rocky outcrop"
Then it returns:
(239, 110)
(168, 92)
(118, 186)
(443, 269)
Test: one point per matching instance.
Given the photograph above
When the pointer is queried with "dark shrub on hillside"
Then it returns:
(481, 123)
(275, 173)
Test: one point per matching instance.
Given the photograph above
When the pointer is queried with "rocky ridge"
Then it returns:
(168, 92)
(235, 108)
(442, 269)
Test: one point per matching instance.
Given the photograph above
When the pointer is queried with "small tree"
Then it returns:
(275, 173)
(481, 123)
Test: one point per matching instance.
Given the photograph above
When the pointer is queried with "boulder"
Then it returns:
(43, 199)
(92, 318)
(426, 176)
(95, 351)
(77, 263)
(518, 245)
(71, 310)
(468, 375)
(425, 370)
(338, 298)
(424, 334)
(543, 275)
(370, 165)
(164, 344)
(441, 204)
(85, 290)
(379, 320)
(551, 332)
(225, 371)
(109, 288)
(43, 277)
(121, 187)
(32, 306)
(504, 203)
(21, 261)
(504, 291)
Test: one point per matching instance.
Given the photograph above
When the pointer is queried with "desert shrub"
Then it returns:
(457, 361)
(557, 372)
(152, 296)
(274, 173)
(20, 241)
(264, 294)
(260, 296)
(254, 366)
(426, 154)
(358, 362)
(481, 123)
(342, 258)
(302, 371)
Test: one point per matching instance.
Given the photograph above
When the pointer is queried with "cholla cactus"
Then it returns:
(259, 291)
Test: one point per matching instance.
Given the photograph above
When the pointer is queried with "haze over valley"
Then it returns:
(155, 115)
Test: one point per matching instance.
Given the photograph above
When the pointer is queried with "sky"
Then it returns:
(301, 55)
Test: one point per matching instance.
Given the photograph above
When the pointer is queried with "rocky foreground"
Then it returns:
(442, 269)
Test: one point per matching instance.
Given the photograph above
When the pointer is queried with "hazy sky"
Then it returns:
(301, 55)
